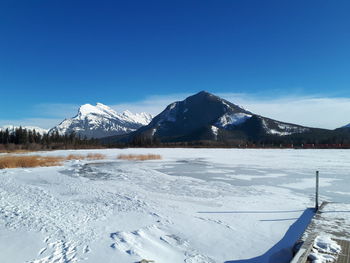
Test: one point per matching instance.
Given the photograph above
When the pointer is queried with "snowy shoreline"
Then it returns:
(194, 205)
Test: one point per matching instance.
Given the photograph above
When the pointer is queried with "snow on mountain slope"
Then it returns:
(101, 121)
(232, 119)
(183, 118)
(142, 118)
(273, 127)
(204, 116)
(11, 128)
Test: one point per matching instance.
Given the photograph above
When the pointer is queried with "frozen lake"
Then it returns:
(194, 205)
(334, 184)
(290, 169)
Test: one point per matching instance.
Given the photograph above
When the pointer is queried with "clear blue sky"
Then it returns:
(74, 52)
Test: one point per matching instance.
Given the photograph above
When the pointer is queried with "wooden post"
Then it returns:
(317, 183)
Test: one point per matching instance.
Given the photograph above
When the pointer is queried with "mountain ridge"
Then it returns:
(199, 117)
(208, 119)
(100, 121)
(205, 115)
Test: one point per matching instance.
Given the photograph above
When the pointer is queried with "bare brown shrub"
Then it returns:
(139, 157)
(11, 161)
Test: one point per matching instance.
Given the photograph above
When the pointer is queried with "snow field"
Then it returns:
(123, 211)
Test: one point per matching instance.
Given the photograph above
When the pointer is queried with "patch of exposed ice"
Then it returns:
(307, 183)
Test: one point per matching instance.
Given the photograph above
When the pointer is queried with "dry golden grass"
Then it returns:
(16, 151)
(95, 156)
(75, 157)
(90, 156)
(139, 157)
(10, 161)
(15, 161)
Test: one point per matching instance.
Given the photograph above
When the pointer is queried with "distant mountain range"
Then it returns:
(12, 128)
(202, 117)
(100, 121)
(95, 122)
(208, 118)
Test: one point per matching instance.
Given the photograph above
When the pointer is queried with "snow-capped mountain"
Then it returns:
(12, 128)
(205, 116)
(101, 121)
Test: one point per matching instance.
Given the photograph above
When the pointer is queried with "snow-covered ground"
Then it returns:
(194, 205)
(324, 250)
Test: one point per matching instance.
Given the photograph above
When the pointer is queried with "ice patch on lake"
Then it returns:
(308, 183)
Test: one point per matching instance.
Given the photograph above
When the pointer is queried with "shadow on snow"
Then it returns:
(282, 251)
(249, 212)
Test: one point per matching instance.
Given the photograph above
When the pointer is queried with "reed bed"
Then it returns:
(24, 161)
(139, 157)
(75, 157)
(18, 151)
(90, 156)
(96, 156)
(11, 161)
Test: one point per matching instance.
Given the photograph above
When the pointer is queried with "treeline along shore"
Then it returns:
(26, 139)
